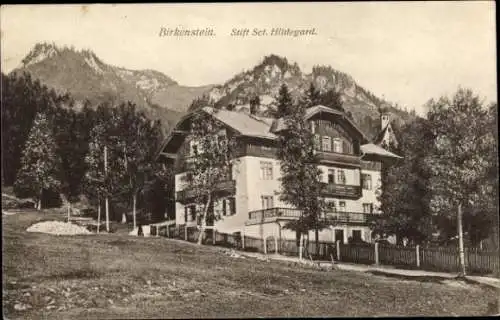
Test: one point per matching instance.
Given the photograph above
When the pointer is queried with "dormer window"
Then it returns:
(337, 145)
(326, 144)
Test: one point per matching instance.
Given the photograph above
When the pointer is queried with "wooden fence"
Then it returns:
(443, 259)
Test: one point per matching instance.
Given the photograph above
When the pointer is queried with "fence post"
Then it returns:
(265, 246)
(276, 245)
(300, 247)
(214, 234)
(338, 249)
(185, 233)
(418, 255)
(377, 260)
(243, 239)
(168, 233)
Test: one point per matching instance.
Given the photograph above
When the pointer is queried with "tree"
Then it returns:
(300, 180)
(254, 104)
(105, 179)
(405, 192)
(22, 99)
(312, 96)
(40, 166)
(200, 102)
(71, 131)
(461, 163)
(211, 163)
(284, 102)
(331, 99)
(139, 142)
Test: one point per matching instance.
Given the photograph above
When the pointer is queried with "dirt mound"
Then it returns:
(58, 228)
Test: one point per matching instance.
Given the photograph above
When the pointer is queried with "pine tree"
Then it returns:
(300, 180)
(40, 165)
(284, 102)
(312, 96)
(331, 99)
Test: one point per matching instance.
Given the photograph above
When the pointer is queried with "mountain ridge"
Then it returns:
(86, 77)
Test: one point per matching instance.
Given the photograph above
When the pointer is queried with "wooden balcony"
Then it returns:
(272, 213)
(371, 165)
(342, 191)
(226, 187)
(349, 217)
(339, 158)
(333, 218)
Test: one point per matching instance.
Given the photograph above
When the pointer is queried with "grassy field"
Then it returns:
(118, 276)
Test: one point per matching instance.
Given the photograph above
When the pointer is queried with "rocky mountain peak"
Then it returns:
(40, 52)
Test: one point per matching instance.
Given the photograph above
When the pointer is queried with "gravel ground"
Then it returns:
(58, 228)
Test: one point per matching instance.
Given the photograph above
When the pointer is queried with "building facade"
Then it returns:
(248, 199)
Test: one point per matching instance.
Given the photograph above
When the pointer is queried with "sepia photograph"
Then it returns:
(249, 160)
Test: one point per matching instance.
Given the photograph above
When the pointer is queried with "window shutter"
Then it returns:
(232, 202)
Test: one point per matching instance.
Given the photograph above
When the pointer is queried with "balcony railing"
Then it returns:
(349, 217)
(266, 215)
(342, 190)
(371, 165)
(226, 186)
(339, 158)
(259, 215)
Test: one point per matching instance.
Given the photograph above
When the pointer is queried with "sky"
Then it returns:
(407, 52)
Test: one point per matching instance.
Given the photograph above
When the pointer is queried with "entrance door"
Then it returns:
(339, 235)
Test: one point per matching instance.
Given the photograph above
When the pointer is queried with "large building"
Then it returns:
(248, 200)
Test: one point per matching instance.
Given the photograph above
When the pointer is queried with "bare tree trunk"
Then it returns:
(39, 202)
(98, 214)
(316, 239)
(107, 214)
(203, 220)
(69, 211)
(461, 240)
(134, 205)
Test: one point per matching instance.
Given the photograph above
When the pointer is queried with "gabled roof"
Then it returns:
(245, 124)
(280, 125)
(261, 127)
(373, 149)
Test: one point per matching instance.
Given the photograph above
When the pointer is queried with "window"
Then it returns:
(266, 170)
(224, 207)
(326, 144)
(342, 206)
(317, 144)
(340, 176)
(367, 207)
(331, 176)
(356, 235)
(367, 181)
(337, 145)
(267, 202)
(190, 213)
(330, 206)
(232, 205)
(339, 235)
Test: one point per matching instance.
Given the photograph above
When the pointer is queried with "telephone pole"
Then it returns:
(106, 175)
